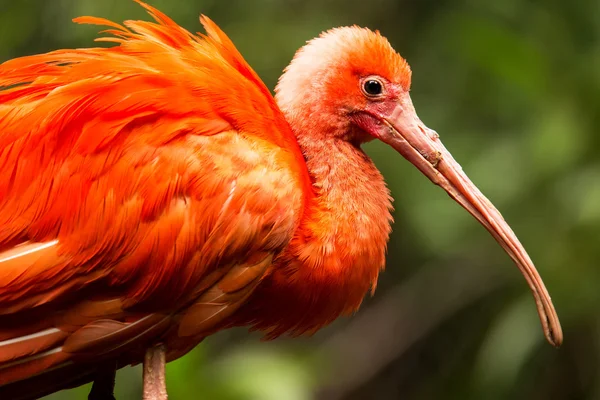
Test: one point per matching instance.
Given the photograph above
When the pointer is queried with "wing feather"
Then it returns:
(144, 191)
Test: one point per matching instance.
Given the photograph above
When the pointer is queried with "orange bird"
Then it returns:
(154, 192)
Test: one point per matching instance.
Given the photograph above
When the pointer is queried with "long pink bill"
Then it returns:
(421, 146)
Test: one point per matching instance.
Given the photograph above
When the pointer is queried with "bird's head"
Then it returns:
(350, 84)
(345, 79)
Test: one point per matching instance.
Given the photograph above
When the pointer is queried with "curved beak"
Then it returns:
(405, 132)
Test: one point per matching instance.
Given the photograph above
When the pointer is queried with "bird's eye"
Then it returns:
(372, 87)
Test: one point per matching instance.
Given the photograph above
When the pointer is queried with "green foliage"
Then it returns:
(513, 88)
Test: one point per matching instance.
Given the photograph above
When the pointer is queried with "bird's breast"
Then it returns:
(336, 254)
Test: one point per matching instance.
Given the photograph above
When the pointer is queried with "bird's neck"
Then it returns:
(339, 248)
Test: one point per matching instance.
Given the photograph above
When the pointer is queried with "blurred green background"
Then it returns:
(513, 88)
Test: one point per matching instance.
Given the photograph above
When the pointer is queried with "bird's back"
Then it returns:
(144, 191)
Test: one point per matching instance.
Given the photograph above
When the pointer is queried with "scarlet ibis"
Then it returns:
(154, 192)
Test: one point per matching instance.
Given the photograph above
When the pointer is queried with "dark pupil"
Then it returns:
(373, 87)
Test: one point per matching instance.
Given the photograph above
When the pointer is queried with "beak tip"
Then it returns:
(553, 330)
(555, 339)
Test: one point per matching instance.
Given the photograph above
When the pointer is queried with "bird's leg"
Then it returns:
(155, 387)
(104, 385)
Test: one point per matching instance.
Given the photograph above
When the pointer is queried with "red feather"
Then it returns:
(125, 175)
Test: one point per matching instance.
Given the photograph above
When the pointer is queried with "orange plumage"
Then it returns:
(155, 191)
